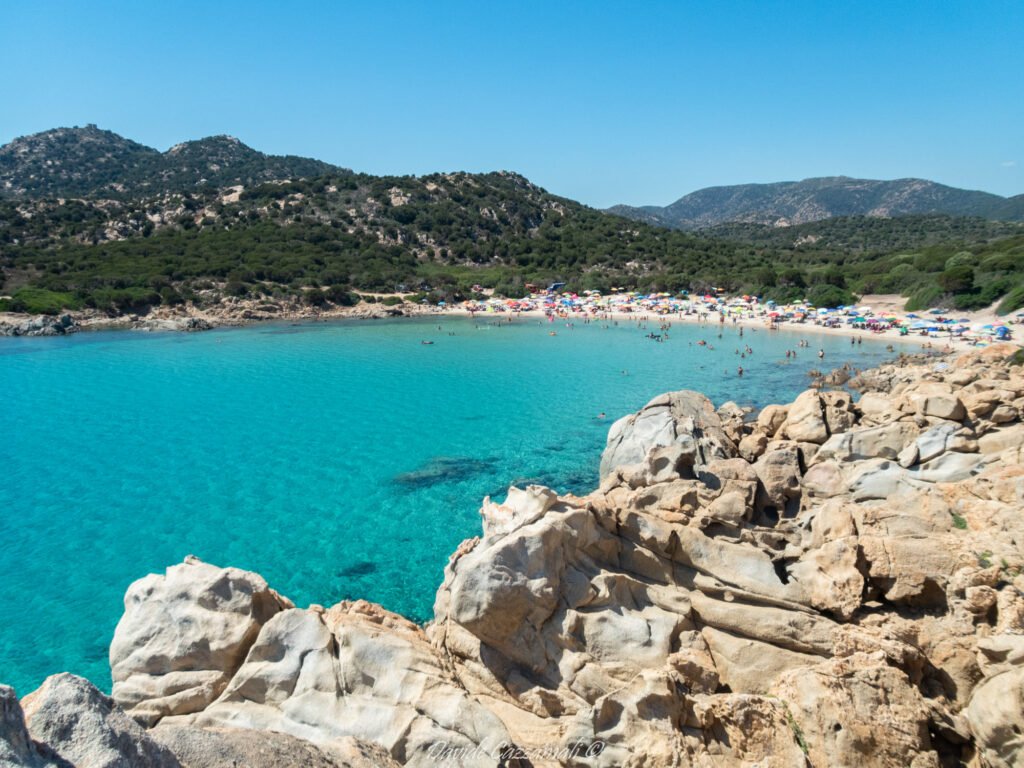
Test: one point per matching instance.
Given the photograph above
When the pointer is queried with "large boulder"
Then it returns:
(909, 550)
(936, 399)
(805, 420)
(859, 711)
(184, 634)
(684, 418)
(84, 727)
(779, 472)
(771, 418)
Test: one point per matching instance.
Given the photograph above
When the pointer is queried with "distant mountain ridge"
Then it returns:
(799, 202)
(91, 162)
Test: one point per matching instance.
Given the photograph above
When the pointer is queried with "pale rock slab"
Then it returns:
(685, 418)
(354, 671)
(184, 634)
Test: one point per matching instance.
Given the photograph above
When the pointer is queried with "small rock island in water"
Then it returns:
(835, 582)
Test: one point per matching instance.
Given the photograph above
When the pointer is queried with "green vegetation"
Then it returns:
(39, 301)
(166, 240)
(73, 162)
(824, 198)
(959, 521)
(798, 732)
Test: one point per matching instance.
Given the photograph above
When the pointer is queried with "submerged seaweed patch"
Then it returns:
(359, 568)
(445, 469)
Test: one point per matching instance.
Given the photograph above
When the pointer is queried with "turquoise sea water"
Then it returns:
(339, 461)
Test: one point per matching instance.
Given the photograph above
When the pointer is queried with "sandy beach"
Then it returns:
(238, 313)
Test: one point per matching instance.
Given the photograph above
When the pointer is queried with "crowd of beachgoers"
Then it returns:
(938, 324)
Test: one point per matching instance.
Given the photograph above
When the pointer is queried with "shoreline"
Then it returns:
(193, 320)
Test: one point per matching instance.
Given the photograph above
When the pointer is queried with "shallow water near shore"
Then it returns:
(343, 460)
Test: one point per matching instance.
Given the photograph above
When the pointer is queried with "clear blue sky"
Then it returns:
(603, 102)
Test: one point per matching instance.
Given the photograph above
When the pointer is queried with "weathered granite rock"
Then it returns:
(17, 748)
(829, 703)
(933, 398)
(996, 717)
(824, 479)
(353, 671)
(184, 634)
(880, 442)
(42, 325)
(519, 508)
(752, 446)
(684, 418)
(879, 479)
(805, 420)
(771, 418)
(86, 729)
(778, 469)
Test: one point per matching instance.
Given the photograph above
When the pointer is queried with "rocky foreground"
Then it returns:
(833, 583)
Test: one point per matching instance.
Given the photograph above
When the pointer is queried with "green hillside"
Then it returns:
(798, 202)
(334, 234)
(90, 162)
